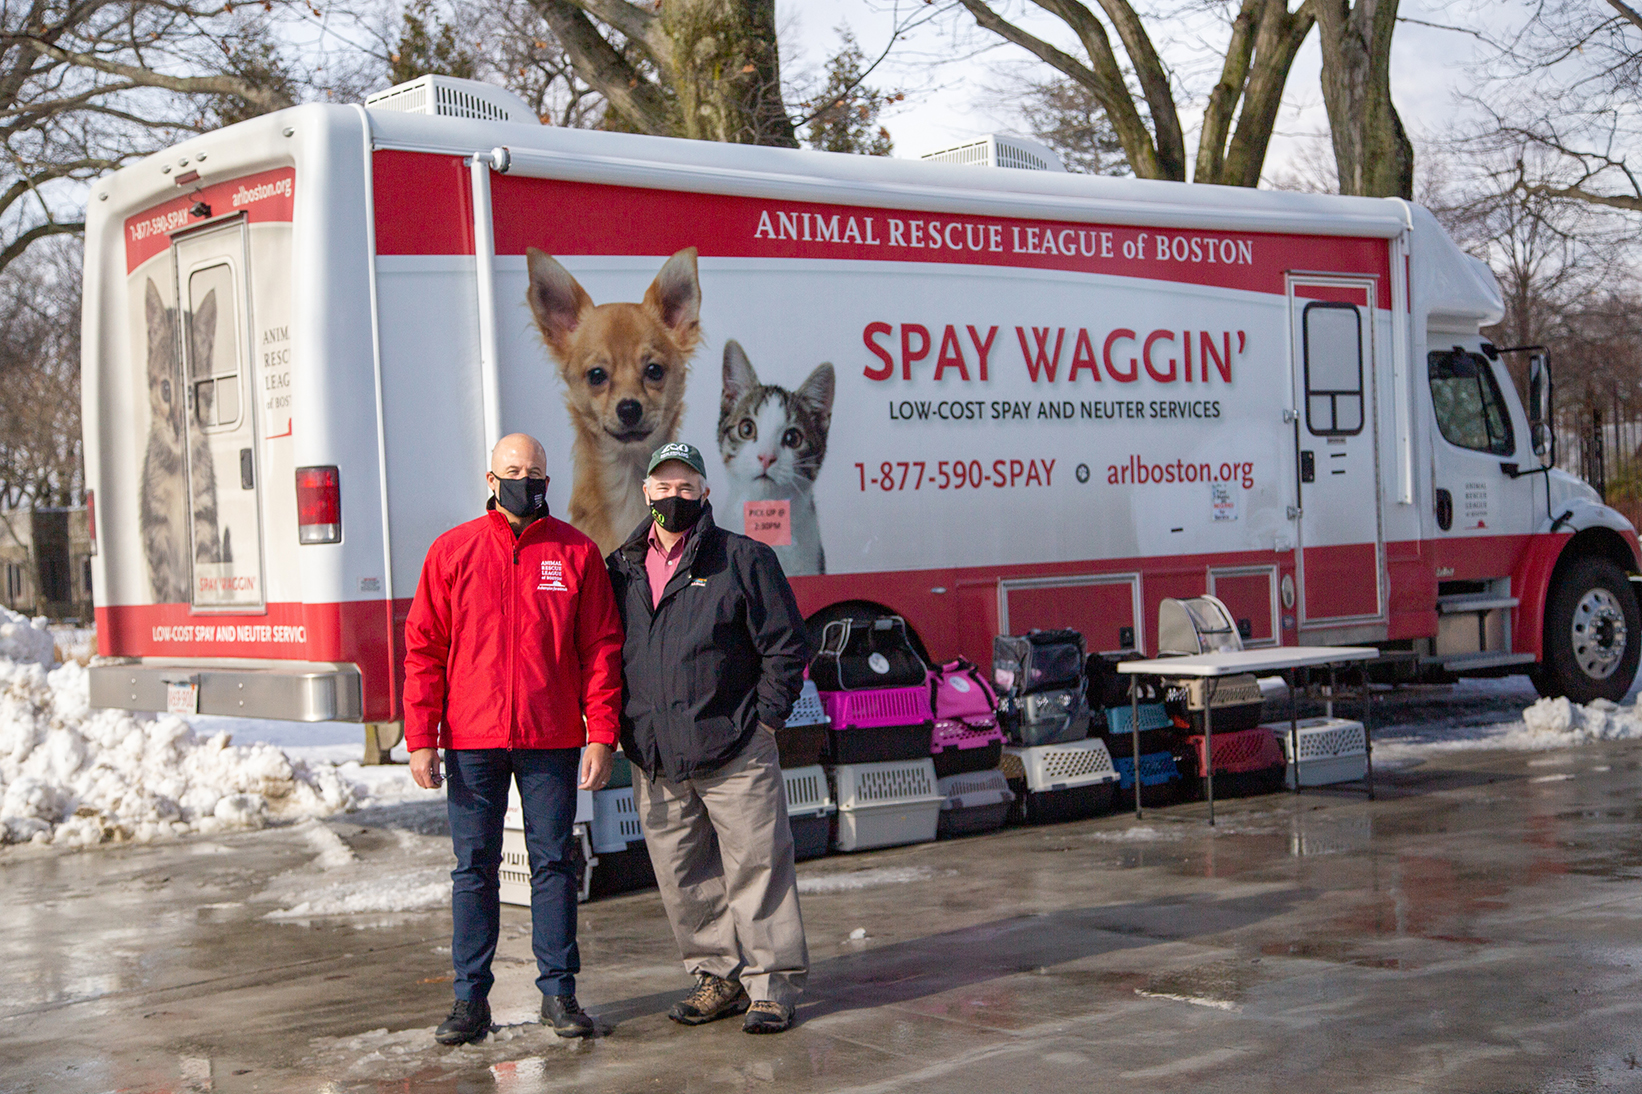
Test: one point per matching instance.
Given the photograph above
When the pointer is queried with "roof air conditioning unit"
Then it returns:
(1000, 151)
(449, 97)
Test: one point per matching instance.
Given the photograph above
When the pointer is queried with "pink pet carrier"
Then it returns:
(878, 725)
(966, 737)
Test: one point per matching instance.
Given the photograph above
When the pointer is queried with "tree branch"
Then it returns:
(1234, 73)
(1113, 96)
(641, 27)
(40, 231)
(628, 91)
(1154, 84)
(188, 85)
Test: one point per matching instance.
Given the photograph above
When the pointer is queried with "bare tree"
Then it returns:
(844, 112)
(89, 84)
(1067, 117)
(1242, 107)
(703, 69)
(1372, 153)
(1569, 82)
(40, 451)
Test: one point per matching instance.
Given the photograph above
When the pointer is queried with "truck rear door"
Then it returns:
(220, 412)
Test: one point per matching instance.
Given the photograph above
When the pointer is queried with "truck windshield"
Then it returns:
(1470, 409)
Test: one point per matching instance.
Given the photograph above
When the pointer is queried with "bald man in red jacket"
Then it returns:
(512, 665)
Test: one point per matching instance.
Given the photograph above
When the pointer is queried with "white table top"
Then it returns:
(1262, 660)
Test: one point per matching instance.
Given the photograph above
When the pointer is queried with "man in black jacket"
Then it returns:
(713, 660)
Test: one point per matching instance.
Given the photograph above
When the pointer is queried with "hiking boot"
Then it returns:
(566, 1016)
(767, 1016)
(469, 1021)
(712, 998)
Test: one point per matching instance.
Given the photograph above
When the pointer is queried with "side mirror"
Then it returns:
(1539, 407)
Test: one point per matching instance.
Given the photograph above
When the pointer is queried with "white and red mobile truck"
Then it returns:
(1052, 400)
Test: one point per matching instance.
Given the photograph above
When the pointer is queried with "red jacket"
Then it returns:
(510, 643)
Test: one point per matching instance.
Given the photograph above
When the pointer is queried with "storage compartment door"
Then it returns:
(1104, 608)
(220, 414)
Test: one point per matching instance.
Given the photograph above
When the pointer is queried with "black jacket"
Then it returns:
(724, 651)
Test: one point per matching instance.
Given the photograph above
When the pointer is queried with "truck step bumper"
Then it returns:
(297, 691)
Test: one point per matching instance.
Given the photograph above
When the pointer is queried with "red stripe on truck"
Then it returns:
(575, 218)
(358, 632)
(424, 204)
(424, 207)
(266, 197)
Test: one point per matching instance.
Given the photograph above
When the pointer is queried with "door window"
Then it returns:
(1333, 337)
(213, 345)
(1470, 409)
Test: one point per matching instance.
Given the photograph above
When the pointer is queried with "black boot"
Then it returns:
(566, 1016)
(469, 1021)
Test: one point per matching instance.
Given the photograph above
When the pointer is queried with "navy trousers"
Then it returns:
(476, 790)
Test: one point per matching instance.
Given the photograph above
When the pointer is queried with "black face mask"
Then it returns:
(676, 514)
(522, 497)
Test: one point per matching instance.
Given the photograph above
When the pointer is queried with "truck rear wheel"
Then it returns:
(1593, 634)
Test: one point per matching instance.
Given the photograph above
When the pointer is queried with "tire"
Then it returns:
(1593, 634)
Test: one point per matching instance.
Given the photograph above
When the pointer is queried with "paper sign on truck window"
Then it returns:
(769, 522)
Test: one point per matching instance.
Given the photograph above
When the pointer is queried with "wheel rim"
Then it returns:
(1598, 633)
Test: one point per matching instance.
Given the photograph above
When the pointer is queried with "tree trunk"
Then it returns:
(726, 72)
(1373, 154)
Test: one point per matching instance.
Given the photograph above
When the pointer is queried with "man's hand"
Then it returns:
(424, 765)
(597, 760)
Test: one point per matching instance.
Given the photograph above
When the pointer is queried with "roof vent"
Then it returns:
(1000, 151)
(449, 97)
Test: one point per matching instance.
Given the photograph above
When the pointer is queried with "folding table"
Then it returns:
(1284, 659)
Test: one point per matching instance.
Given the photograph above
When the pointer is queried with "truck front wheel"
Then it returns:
(1593, 633)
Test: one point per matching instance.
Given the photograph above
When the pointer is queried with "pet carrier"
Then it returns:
(878, 725)
(514, 875)
(1332, 750)
(884, 804)
(867, 654)
(1246, 762)
(1061, 781)
(977, 801)
(1045, 717)
(1037, 661)
(1236, 701)
(809, 810)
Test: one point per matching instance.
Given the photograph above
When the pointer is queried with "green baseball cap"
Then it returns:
(687, 454)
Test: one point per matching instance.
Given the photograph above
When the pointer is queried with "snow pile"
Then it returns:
(864, 879)
(1558, 722)
(1546, 724)
(415, 879)
(73, 776)
(24, 642)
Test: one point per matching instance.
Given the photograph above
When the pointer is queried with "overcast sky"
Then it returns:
(953, 73)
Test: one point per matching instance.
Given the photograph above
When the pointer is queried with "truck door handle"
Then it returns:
(1308, 466)
(247, 470)
(1295, 512)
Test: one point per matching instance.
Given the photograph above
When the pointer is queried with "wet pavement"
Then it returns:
(1477, 928)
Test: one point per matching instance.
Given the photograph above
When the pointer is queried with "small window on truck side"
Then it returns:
(1471, 412)
(1333, 336)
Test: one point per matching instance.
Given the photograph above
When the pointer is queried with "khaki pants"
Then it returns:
(723, 854)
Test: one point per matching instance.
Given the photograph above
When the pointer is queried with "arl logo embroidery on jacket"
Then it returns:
(552, 576)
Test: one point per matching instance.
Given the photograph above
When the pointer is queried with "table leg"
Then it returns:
(1208, 744)
(1368, 734)
(1134, 730)
(1294, 730)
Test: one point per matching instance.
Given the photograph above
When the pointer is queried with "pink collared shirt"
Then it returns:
(660, 564)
